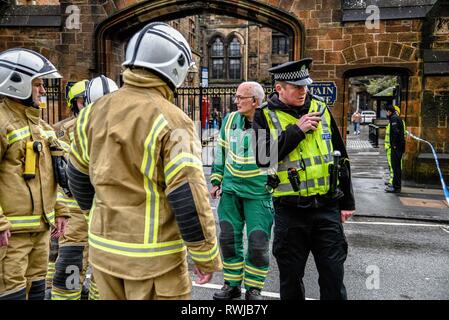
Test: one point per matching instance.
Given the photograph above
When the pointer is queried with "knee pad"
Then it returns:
(227, 242)
(68, 268)
(19, 295)
(258, 248)
(37, 290)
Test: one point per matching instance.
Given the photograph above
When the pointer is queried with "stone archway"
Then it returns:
(123, 23)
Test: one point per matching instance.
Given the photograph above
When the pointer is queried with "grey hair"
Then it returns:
(257, 91)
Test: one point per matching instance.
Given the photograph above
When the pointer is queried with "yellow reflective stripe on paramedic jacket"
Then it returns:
(228, 125)
(241, 160)
(223, 143)
(18, 134)
(243, 174)
(147, 169)
(216, 176)
(179, 162)
(24, 221)
(202, 256)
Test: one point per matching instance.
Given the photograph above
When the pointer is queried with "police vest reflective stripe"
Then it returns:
(311, 157)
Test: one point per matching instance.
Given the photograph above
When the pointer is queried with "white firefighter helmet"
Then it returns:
(19, 67)
(162, 49)
(98, 87)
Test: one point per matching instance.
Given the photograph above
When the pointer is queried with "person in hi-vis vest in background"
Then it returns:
(395, 147)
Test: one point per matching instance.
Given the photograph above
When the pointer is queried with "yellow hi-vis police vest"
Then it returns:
(312, 156)
(387, 135)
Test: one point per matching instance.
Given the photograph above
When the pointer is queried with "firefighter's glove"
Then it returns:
(59, 168)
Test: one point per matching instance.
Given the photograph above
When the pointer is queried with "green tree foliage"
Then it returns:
(377, 85)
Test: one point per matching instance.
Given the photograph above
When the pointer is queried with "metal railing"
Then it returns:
(373, 135)
(53, 111)
(207, 107)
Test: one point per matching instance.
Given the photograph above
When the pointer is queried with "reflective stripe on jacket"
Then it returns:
(234, 162)
(27, 205)
(138, 149)
(312, 156)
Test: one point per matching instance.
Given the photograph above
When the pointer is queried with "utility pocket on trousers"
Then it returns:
(269, 205)
(173, 283)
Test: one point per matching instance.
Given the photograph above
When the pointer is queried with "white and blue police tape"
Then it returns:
(445, 190)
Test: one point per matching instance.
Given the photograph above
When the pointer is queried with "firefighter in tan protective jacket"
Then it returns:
(30, 167)
(73, 245)
(142, 156)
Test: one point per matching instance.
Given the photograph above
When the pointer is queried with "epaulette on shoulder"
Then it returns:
(264, 105)
(317, 97)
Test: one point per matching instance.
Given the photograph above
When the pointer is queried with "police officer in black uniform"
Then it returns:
(312, 190)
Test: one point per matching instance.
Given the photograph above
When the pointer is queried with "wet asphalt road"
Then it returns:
(385, 261)
(388, 258)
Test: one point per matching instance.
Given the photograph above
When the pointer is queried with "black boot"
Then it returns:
(227, 293)
(391, 189)
(253, 294)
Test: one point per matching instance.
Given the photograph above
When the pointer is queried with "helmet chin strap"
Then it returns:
(29, 102)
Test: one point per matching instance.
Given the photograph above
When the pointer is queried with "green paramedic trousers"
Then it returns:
(233, 213)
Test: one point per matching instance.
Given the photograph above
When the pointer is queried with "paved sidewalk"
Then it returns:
(369, 169)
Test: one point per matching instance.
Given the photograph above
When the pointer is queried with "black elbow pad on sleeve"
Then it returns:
(80, 186)
(183, 207)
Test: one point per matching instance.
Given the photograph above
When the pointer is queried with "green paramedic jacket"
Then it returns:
(235, 167)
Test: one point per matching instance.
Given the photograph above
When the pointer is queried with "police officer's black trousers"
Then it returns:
(298, 231)
(396, 165)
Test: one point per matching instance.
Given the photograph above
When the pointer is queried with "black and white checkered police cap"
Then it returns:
(294, 72)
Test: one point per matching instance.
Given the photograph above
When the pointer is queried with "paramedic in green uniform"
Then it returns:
(244, 199)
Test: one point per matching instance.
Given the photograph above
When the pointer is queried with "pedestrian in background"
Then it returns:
(356, 119)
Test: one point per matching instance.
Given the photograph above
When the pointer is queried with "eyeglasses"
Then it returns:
(237, 98)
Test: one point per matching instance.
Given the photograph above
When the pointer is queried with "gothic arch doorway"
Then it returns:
(126, 22)
(399, 96)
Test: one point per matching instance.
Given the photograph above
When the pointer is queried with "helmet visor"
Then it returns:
(50, 75)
